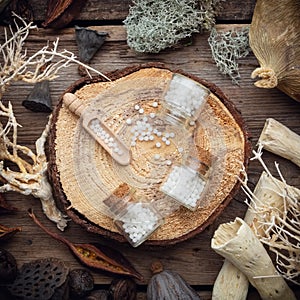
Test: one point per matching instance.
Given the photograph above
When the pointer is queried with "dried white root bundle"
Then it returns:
(266, 201)
(30, 176)
(280, 140)
(278, 225)
(42, 65)
(238, 244)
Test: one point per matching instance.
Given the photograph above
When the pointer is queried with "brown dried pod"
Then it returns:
(39, 99)
(88, 41)
(61, 12)
(167, 284)
(123, 288)
(98, 257)
(81, 282)
(7, 232)
(8, 266)
(39, 279)
(274, 38)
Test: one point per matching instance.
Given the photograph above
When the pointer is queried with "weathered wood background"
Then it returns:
(193, 259)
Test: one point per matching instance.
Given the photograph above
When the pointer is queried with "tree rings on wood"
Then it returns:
(83, 174)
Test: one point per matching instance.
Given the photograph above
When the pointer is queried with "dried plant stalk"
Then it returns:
(280, 140)
(277, 47)
(238, 244)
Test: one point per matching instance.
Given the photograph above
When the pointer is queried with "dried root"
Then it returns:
(278, 224)
(29, 173)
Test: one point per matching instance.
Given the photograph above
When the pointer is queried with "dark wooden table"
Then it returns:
(193, 259)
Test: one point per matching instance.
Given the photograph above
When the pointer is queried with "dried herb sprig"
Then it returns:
(98, 257)
(227, 47)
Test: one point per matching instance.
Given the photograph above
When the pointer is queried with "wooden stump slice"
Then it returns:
(84, 175)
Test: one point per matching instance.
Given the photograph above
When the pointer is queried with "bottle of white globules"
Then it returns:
(135, 220)
(186, 182)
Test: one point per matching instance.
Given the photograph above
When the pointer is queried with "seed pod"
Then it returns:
(61, 12)
(167, 284)
(124, 288)
(8, 266)
(81, 282)
(39, 99)
(274, 38)
(95, 256)
(41, 279)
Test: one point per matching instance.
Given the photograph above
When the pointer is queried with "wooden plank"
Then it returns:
(193, 259)
(117, 10)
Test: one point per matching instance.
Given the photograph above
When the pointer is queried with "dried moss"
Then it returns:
(155, 25)
(227, 48)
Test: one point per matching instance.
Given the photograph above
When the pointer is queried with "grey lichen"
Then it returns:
(227, 47)
(153, 25)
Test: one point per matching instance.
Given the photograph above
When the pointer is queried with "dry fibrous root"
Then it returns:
(227, 47)
(29, 176)
(155, 25)
(278, 224)
(44, 64)
(273, 214)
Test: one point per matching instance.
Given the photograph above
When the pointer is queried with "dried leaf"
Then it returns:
(98, 256)
(61, 12)
(7, 232)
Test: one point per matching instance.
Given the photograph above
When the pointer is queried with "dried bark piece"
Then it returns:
(238, 244)
(39, 99)
(39, 279)
(280, 140)
(7, 232)
(277, 48)
(95, 256)
(61, 12)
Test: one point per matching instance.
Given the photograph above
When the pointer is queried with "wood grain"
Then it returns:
(193, 259)
(117, 10)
